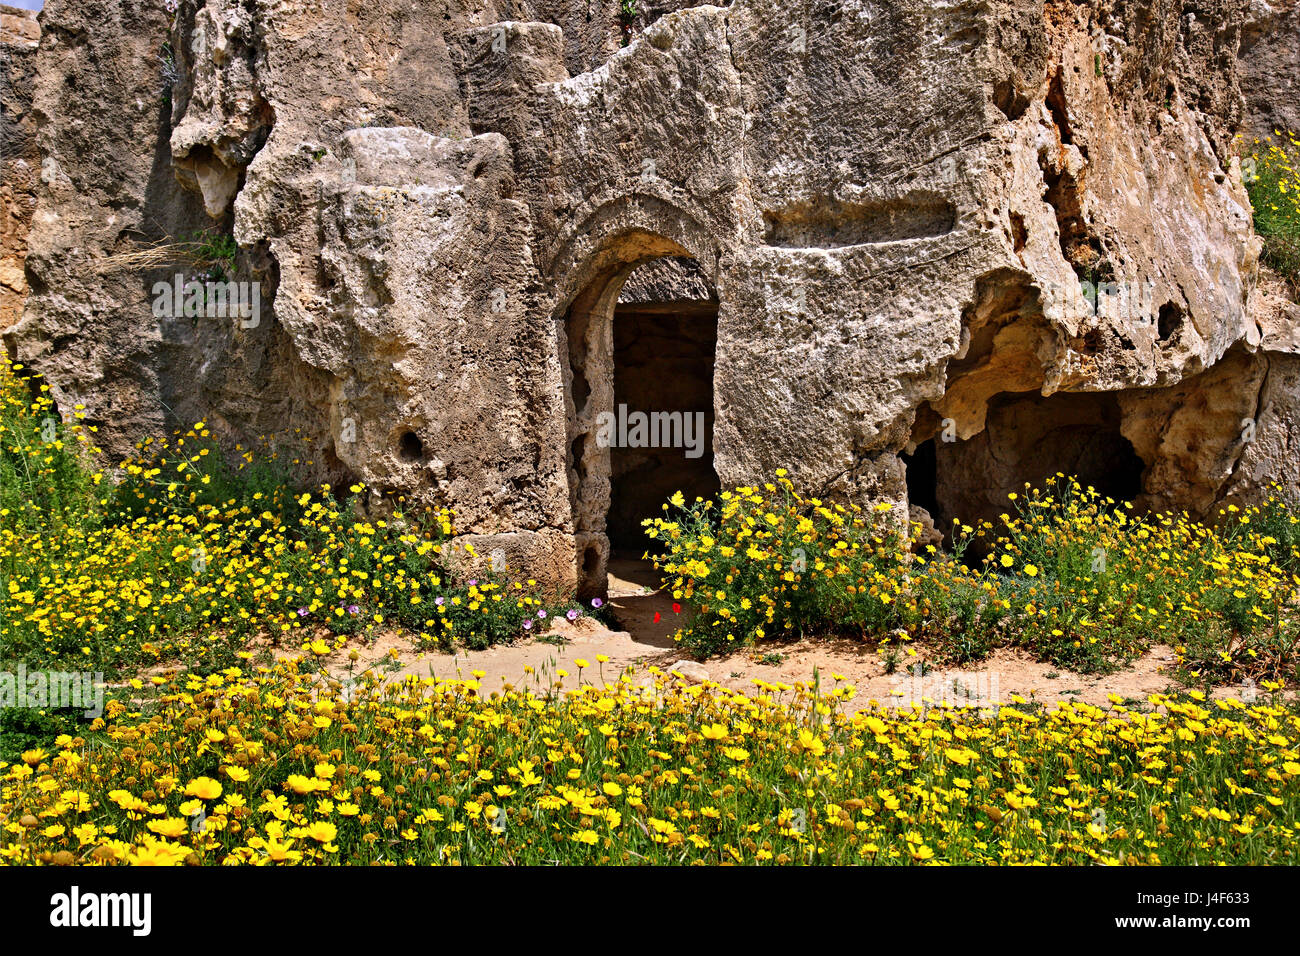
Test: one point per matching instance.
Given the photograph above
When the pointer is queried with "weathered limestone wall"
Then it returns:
(20, 160)
(900, 209)
(101, 112)
(1270, 75)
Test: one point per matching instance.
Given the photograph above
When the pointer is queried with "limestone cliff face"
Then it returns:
(949, 248)
(20, 161)
(1270, 62)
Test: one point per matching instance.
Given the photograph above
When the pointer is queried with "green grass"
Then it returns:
(1274, 187)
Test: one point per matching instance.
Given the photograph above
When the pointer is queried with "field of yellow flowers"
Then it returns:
(179, 556)
(1078, 579)
(278, 767)
(172, 572)
(1273, 181)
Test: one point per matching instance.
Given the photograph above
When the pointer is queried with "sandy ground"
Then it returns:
(550, 661)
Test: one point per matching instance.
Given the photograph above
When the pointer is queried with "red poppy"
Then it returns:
(656, 617)
(677, 608)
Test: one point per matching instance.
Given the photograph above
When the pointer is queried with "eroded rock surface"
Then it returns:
(20, 161)
(991, 240)
(1270, 59)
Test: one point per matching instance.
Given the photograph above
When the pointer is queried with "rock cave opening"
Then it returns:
(409, 447)
(1026, 439)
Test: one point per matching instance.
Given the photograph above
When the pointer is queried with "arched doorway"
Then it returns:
(640, 341)
(665, 340)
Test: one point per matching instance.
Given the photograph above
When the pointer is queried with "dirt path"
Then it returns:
(552, 660)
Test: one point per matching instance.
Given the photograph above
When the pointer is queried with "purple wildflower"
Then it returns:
(573, 615)
(597, 602)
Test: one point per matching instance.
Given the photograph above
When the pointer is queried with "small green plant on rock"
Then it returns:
(627, 15)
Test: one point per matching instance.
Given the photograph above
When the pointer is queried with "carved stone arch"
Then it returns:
(588, 270)
(624, 232)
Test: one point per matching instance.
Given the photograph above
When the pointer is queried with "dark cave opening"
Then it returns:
(1028, 439)
(663, 413)
(409, 447)
(922, 472)
(1110, 465)
(1169, 321)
